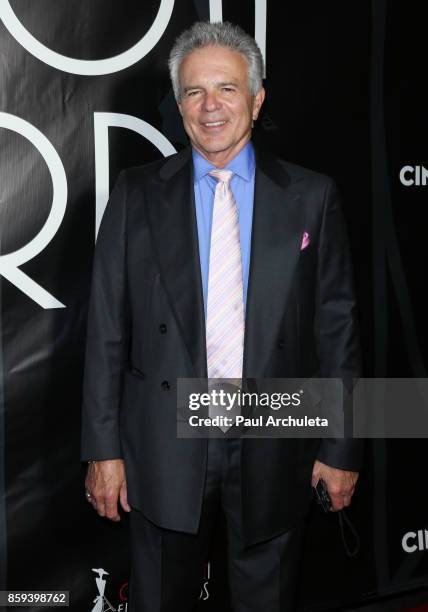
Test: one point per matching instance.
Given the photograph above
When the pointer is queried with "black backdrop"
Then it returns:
(345, 96)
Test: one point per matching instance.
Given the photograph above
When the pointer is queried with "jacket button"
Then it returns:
(281, 344)
(165, 385)
(163, 328)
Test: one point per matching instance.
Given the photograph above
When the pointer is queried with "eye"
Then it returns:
(228, 89)
(193, 92)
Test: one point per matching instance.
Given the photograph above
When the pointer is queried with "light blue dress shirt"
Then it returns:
(242, 184)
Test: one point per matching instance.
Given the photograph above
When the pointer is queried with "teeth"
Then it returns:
(215, 123)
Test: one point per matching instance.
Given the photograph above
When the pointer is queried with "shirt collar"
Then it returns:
(243, 164)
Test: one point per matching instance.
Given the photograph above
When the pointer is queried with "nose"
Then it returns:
(211, 102)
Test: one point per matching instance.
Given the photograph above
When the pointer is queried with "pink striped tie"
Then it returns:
(225, 309)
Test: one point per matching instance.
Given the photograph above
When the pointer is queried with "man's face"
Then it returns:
(216, 104)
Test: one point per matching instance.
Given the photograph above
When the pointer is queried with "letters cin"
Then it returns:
(413, 541)
(413, 175)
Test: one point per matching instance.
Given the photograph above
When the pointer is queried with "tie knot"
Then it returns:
(223, 176)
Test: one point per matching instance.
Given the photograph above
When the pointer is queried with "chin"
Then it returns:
(215, 146)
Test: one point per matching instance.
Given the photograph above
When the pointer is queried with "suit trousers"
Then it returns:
(167, 567)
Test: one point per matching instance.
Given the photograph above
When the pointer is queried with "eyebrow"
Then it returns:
(222, 84)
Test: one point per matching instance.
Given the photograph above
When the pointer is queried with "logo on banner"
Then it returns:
(414, 176)
(10, 262)
(415, 540)
(88, 67)
(130, 56)
(101, 602)
(204, 594)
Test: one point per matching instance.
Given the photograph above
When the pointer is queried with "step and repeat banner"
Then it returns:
(85, 92)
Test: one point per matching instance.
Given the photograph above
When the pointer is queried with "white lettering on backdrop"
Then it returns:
(9, 262)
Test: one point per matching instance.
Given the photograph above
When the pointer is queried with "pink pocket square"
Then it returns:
(305, 242)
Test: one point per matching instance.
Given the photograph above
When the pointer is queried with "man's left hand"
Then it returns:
(340, 484)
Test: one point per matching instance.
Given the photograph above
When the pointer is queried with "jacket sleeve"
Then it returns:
(107, 334)
(337, 333)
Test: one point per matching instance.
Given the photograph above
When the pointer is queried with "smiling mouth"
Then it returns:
(210, 124)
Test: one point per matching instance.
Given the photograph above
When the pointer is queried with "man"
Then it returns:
(219, 261)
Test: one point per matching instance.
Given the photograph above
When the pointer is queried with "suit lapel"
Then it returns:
(173, 226)
(278, 225)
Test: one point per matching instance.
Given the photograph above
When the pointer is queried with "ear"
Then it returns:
(179, 108)
(258, 101)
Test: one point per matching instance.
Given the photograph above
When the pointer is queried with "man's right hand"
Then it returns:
(106, 484)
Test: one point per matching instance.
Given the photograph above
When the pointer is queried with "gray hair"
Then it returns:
(224, 34)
